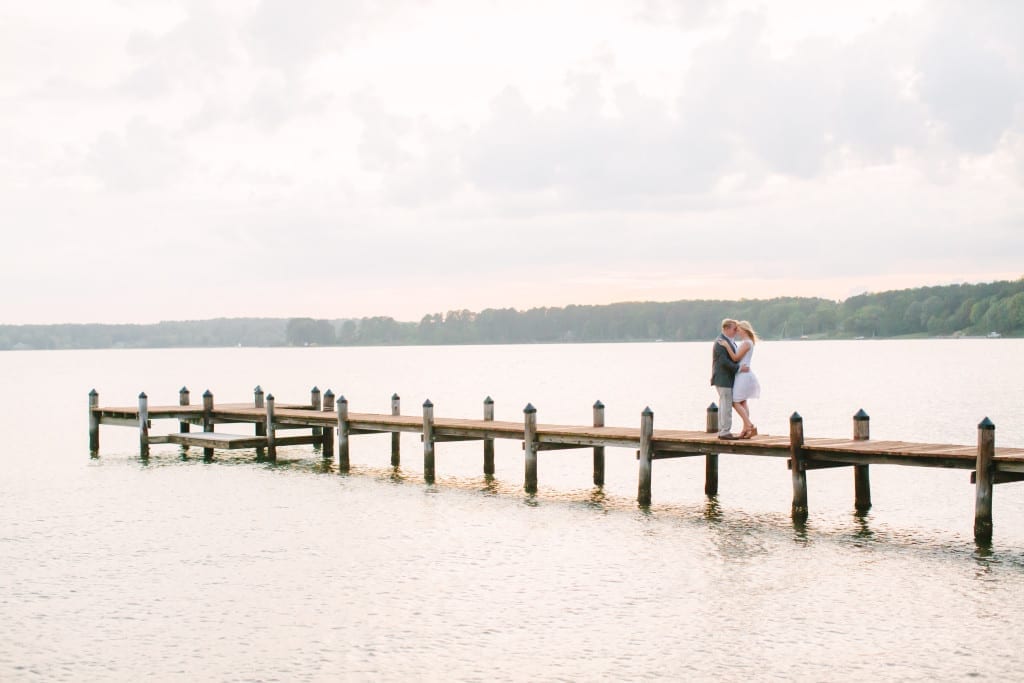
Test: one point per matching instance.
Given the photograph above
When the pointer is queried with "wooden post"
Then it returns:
(328, 434)
(94, 423)
(711, 459)
(598, 450)
(318, 432)
(984, 479)
(489, 443)
(207, 419)
(343, 433)
(261, 427)
(530, 447)
(861, 476)
(646, 437)
(143, 425)
(271, 430)
(428, 441)
(798, 467)
(183, 400)
(396, 437)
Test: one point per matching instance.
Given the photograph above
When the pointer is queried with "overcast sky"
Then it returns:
(168, 159)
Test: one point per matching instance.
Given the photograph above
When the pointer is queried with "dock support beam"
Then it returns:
(271, 430)
(183, 400)
(396, 437)
(428, 441)
(489, 443)
(711, 459)
(343, 429)
(530, 447)
(94, 424)
(260, 427)
(646, 435)
(327, 435)
(798, 466)
(143, 425)
(984, 480)
(207, 420)
(598, 450)
(861, 476)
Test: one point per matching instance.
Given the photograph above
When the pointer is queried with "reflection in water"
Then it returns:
(863, 529)
(490, 486)
(712, 510)
(800, 530)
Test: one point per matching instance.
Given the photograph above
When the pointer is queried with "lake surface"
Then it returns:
(176, 569)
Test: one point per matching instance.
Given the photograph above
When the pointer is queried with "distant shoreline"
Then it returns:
(988, 310)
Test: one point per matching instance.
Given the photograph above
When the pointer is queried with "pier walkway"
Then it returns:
(331, 426)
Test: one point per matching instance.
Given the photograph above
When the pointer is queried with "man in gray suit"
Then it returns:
(723, 375)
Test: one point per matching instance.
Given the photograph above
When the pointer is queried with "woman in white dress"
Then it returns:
(746, 385)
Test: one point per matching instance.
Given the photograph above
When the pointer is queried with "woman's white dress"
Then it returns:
(746, 384)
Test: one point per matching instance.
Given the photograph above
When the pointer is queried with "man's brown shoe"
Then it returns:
(728, 437)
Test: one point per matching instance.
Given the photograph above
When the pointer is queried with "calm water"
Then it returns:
(180, 570)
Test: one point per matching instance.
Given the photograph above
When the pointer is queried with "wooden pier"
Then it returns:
(331, 426)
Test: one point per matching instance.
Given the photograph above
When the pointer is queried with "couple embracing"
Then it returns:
(731, 375)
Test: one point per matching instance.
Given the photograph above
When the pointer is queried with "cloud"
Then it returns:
(972, 79)
(143, 157)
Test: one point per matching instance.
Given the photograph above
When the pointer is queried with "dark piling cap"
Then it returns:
(712, 408)
(598, 404)
(396, 397)
(183, 390)
(328, 393)
(258, 389)
(143, 395)
(270, 398)
(861, 416)
(314, 390)
(986, 424)
(648, 412)
(207, 393)
(94, 393)
(489, 400)
(795, 417)
(342, 399)
(529, 408)
(428, 404)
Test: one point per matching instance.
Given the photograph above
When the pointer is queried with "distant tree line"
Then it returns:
(953, 310)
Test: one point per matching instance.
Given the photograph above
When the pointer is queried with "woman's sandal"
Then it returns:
(750, 433)
(745, 434)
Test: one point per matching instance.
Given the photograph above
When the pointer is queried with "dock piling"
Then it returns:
(861, 475)
(984, 480)
(271, 430)
(183, 400)
(343, 433)
(530, 448)
(711, 459)
(260, 427)
(143, 425)
(598, 450)
(327, 435)
(315, 404)
(646, 437)
(207, 419)
(798, 466)
(428, 441)
(489, 443)
(396, 437)
(94, 423)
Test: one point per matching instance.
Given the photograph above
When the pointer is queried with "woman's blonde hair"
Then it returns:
(749, 329)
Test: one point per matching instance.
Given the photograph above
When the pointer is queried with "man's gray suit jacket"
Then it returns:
(723, 368)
